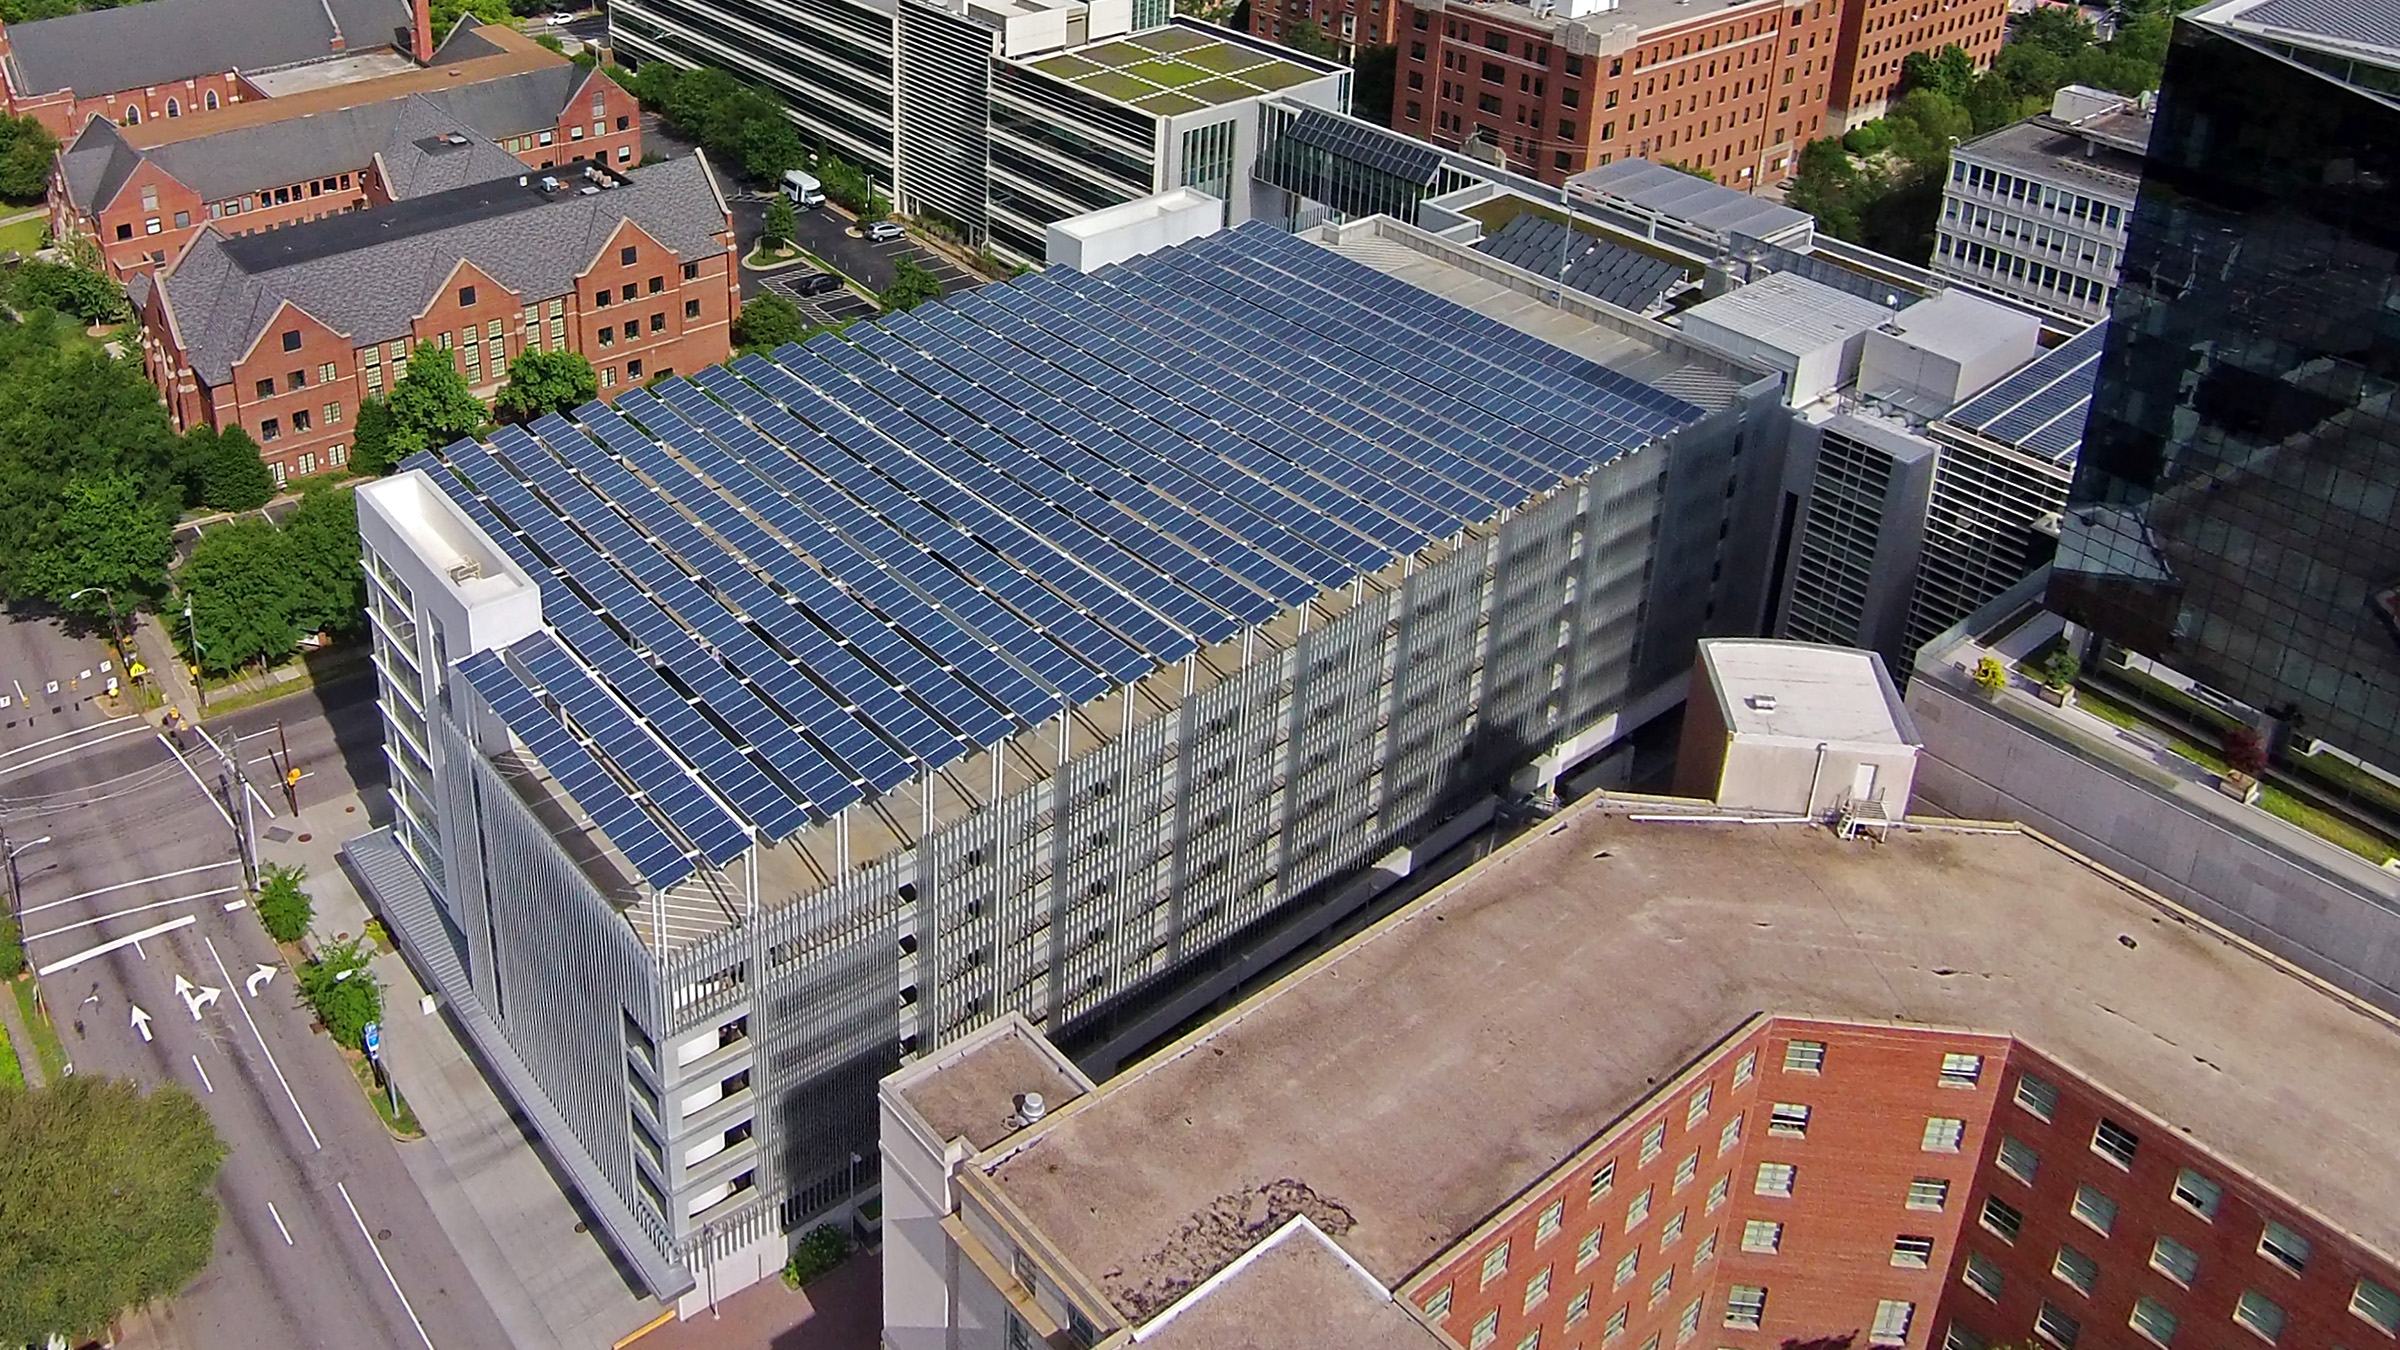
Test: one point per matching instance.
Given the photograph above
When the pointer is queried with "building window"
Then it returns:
(2038, 1095)
(691, 309)
(603, 296)
(1744, 1067)
(1687, 1170)
(1438, 1307)
(2151, 1318)
(1495, 1263)
(1654, 1142)
(608, 335)
(1673, 1230)
(658, 323)
(1789, 1119)
(333, 414)
(2018, 1159)
(270, 429)
(1961, 1071)
(2175, 1261)
(1983, 1276)
(2114, 1142)
(1639, 1209)
(1705, 1250)
(2056, 1327)
(1616, 1320)
(1688, 1325)
(1537, 1288)
(626, 255)
(1546, 1227)
(2284, 1247)
(2097, 1211)
(627, 293)
(1931, 1194)
(266, 387)
(1626, 1266)
(608, 377)
(1604, 1178)
(1943, 1134)
(2260, 1315)
(308, 461)
(1486, 1327)
(1764, 1236)
(691, 271)
(1745, 1306)
(291, 340)
(1661, 1286)
(1588, 1250)
(1804, 1057)
(1717, 1191)
(1775, 1179)
(1911, 1251)
(2197, 1193)
(1892, 1318)
(326, 374)
(1532, 1341)
(1579, 1307)
(1697, 1110)
(2079, 1271)
(300, 422)
(2001, 1219)
(2376, 1306)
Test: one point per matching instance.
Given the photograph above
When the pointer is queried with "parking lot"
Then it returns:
(817, 311)
(830, 235)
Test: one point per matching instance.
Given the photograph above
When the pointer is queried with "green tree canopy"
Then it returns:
(320, 547)
(78, 292)
(371, 439)
(26, 151)
(431, 406)
(104, 532)
(243, 595)
(223, 471)
(782, 221)
(545, 382)
(107, 1200)
(768, 321)
(1303, 35)
(740, 127)
(911, 286)
(344, 1005)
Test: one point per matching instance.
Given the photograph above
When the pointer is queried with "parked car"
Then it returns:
(818, 283)
(561, 19)
(885, 231)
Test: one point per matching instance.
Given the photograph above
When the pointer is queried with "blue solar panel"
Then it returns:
(2042, 406)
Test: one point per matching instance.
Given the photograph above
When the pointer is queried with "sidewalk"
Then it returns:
(550, 1283)
(154, 649)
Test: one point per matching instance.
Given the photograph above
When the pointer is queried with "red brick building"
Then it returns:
(1877, 35)
(143, 197)
(275, 332)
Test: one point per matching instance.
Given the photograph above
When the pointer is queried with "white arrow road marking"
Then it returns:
(141, 1023)
(264, 975)
(196, 997)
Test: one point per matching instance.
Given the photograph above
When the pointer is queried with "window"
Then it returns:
(625, 256)
(2153, 1321)
(1764, 1236)
(1717, 1191)
(2097, 1211)
(1745, 1306)
(2376, 1306)
(298, 379)
(1616, 1320)
(2114, 1142)
(2019, 1160)
(1438, 1306)
(1588, 1250)
(1704, 1251)
(1537, 1288)
(633, 370)
(2001, 1219)
(1639, 1209)
(1804, 1057)
(300, 420)
(1943, 1134)
(291, 340)
(1546, 1227)
(608, 377)
(1892, 1318)
(1486, 1327)
(1662, 1285)
(2079, 1271)
(658, 323)
(1983, 1276)
(333, 414)
(1789, 1119)
(603, 296)
(1775, 1179)
(691, 271)
(2260, 1315)
(627, 293)
(1604, 1178)
(2056, 1327)
(270, 429)
(1697, 1111)
(657, 285)
(2038, 1095)
(266, 387)
(1579, 1307)
(1673, 1230)
(1627, 1265)
(1931, 1194)
(2197, 1193)
(1912, 1252)
(1744, 1067)
(1959, 1337)
(2284, 1247)
(691, 309)
(1729, 1136)
(326, 374)
(1495, 1262)
(183, 220)
(2175, 1261)
(608, 335)
(1654, 1142)
(1961, 1071)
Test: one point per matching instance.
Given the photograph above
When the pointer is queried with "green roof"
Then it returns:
(1167, 71)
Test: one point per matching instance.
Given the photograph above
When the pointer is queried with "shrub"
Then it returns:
(2246, 751)
(821, 1249)
(1990, 676)
(2061, 668)
(342, 992)
(12, 949)
(282, 906)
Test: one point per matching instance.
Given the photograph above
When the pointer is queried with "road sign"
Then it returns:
(372, 1039)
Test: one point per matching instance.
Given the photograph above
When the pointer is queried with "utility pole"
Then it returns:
(192, 627)
(291, 773)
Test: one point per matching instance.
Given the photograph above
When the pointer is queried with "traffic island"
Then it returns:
(391, 1107)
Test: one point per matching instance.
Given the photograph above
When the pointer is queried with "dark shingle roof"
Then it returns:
(97, 164)
(223, 291)
(430, 151)
(102, 51)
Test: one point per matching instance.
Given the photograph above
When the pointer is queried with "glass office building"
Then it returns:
(2233, 511)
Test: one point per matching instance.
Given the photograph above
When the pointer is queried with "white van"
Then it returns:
(804, 189)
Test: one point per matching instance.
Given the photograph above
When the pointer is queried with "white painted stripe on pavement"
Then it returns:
(129, 940)
(7, 769)
(52, 740)
(128, 885)
(243, 1004)
(363, 1231)
(137, 909)
(277, 1216)
(187, 768)
(232, 905)
(203, 1074)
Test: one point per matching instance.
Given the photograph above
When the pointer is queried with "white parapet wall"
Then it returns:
(1113, 234)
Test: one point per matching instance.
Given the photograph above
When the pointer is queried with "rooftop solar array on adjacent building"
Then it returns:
(1366, 143)
(779, 588)
(1625, 277)
(2041, 408)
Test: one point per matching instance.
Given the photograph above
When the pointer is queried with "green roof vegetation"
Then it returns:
(1168, 71)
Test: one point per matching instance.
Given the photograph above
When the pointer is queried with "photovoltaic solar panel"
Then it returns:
(2042, 406)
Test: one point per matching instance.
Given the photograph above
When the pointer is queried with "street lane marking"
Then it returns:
(195, 773)
(387, 1266)
(51, 740)
(137, 909)
(278, 1218)
(104, 948)
(203, 1075)
(232, 905)
(128, 885)
(255, 1035)
(8, 769)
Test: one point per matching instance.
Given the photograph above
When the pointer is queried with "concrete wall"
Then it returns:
(1978, 764)
(1776, 775)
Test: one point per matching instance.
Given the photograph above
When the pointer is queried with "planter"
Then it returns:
(2239, 786)
(2054, 695)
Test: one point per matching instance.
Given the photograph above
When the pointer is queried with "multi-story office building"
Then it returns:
(2232, 508)
(1634, 1082)
(2038, 210)
(1053, 650)
(1550, 91)
(2004, 463)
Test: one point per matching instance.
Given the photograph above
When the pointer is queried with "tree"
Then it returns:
(1827, 185)
(328, 587)
(1693, 169)
(447, 13)
(2245, 751)
(343, 993)
(282, 906)
(1990, 676)
(26, 151)
(1949, 72)
(107, 1200)
(1371, 87)
(222, 470)
(80, 292)
(371, 439)
(911, 286)
(103, 533)
(242, 593)
(782, 222)
(768, 321)
(545, 382)
(431, 406)
(1305, 37)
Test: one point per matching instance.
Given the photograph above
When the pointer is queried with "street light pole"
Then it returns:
(116, 630)
(192, 627)
(16, 902)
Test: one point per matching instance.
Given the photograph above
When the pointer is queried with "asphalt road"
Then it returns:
(325, 1241)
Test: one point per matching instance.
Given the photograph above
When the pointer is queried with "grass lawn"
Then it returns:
(765, 257)
(24, 236)
(404, 1123)
(12, 1078)
(46, 1045)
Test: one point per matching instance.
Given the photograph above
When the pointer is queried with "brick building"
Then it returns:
(1877, 35)
(143, 197)
(1735, 90)
(2008, 1099)
(275, 332)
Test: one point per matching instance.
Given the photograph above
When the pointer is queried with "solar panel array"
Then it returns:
(781, 587)
(1368, 144)
(1624, 277)
(2041, 408)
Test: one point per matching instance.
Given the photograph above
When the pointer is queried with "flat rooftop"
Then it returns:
(1166, 71)
(2089, 158)
(1790, 313)
(970, 1089)
(1462, 1048)
(1805, 691)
